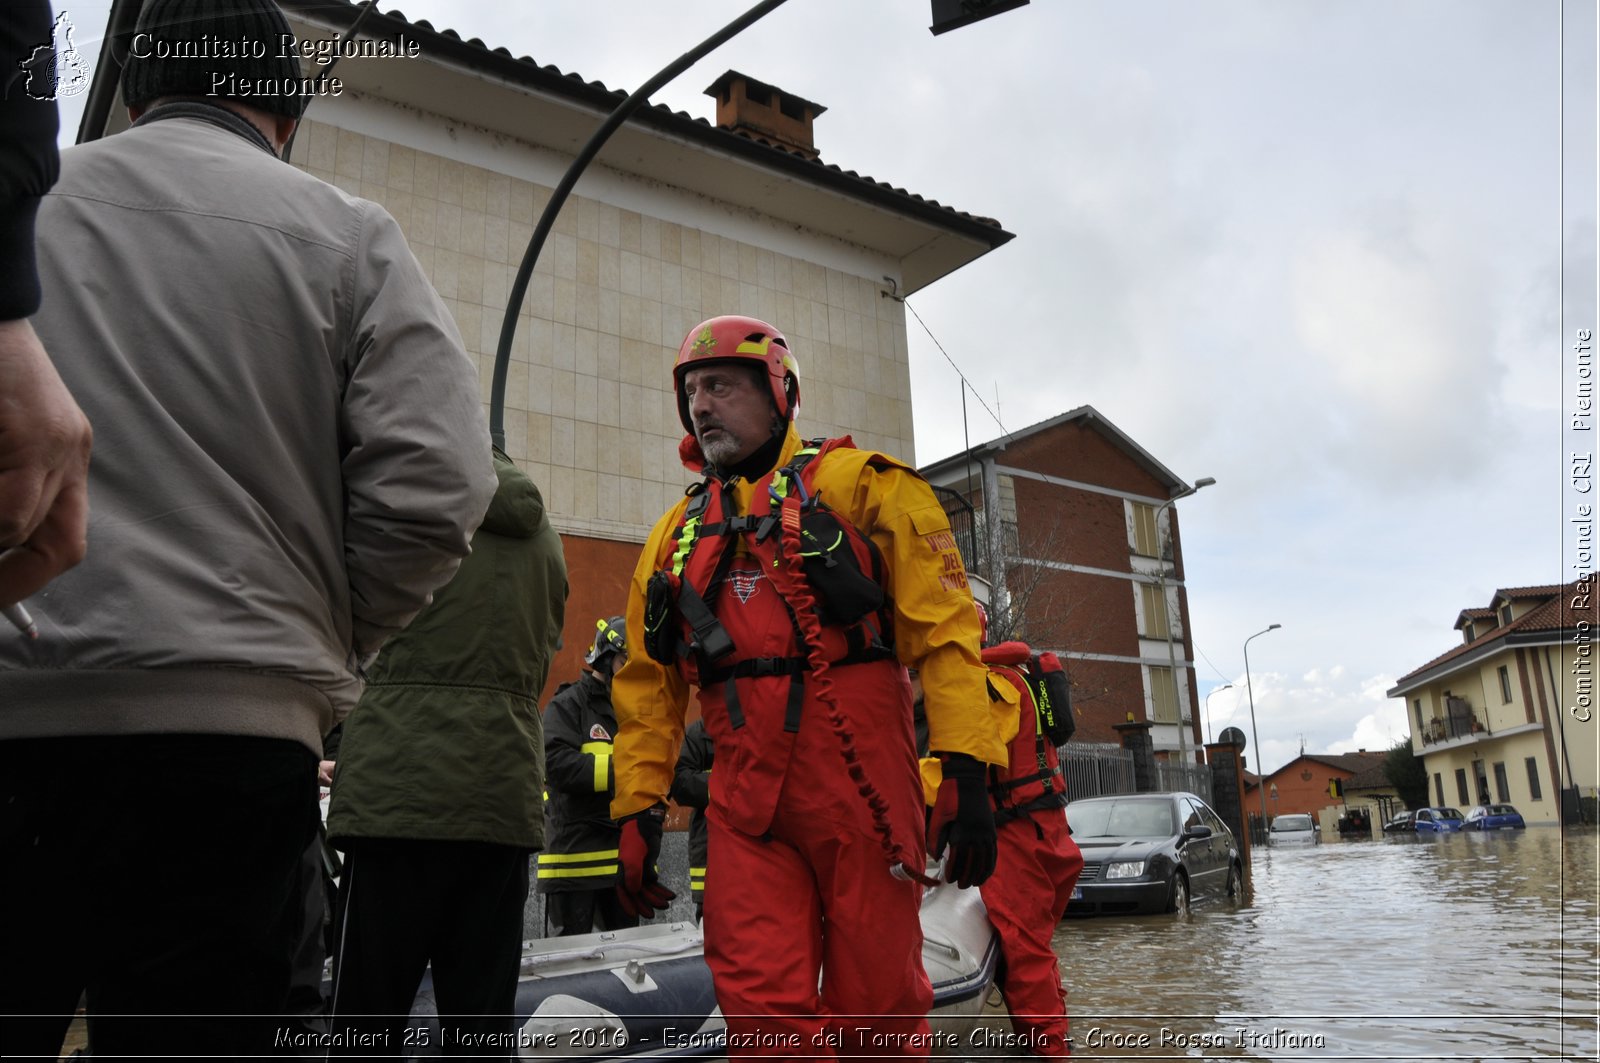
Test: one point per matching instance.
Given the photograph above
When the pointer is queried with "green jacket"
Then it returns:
(446, 743)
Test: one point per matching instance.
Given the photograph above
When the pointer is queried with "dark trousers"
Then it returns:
(160, 876)
(307, 1007)
(585, 911)
(403, 904)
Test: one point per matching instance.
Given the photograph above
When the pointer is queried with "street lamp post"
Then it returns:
(1161, 583)
(1214, 690)
(1255, 739)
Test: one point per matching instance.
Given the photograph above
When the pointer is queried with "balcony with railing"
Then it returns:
(1460, 725)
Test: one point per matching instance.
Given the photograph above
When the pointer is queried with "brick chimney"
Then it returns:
(765, 113)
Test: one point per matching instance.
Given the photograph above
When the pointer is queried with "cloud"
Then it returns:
(1396, 322)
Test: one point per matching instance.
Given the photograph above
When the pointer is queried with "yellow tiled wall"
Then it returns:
(589, 410)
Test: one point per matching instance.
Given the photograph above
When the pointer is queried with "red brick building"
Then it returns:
(1305, 784)
(1087, 541)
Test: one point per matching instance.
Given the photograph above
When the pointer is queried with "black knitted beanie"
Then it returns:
(229, 49)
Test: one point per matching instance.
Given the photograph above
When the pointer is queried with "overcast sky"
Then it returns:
(1310, 249)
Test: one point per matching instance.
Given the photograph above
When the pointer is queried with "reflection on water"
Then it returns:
(1459, 947)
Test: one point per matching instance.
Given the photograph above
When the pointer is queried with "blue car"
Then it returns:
(1493, 817)
(1437, 820)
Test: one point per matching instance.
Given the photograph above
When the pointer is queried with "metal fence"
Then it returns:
(1195, 778)
(1092, 769)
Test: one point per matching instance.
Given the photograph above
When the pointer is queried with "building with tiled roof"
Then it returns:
(678, 219)
(1324, 785)
(1508, 715)
(1085, 560)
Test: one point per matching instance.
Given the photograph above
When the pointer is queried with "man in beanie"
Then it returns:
(291, 456)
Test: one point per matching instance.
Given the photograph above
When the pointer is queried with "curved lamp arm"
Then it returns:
(519, 288)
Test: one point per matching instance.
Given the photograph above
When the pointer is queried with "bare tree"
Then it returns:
(1041, 608)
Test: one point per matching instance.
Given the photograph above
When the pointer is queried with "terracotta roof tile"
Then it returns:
(1372, 777)
(1538, 591)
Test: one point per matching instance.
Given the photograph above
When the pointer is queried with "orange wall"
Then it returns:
(1296, 794)
(598, 572)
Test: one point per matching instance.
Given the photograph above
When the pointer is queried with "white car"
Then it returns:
(1296, 829)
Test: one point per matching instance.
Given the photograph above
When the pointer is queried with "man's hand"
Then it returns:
(44, 468)
(639, 892)
(963, 820)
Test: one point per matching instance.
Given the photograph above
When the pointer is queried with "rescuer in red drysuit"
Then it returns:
(789, 586)
(1038, 862)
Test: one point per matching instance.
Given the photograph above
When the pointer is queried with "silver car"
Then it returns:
(1293, 829)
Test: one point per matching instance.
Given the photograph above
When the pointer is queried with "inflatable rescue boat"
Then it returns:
(646, 992)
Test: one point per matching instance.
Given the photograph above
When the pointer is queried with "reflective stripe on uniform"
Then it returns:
(596, 864)
(601, 752)
(697, 879)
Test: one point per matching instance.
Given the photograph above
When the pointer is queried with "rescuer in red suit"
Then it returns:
(1038, 862)
(792, 586)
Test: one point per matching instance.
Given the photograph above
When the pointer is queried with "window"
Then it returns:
(1191, 813)
(1505, 685)
(1502, 787)
(1461, 786)
(1482, 781)
(1438, 787)
(1155, 611)
(1146, 537)
(1533, 779)
(1505, 613)
(1163, 695)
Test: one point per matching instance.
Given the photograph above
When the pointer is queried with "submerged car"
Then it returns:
(1151, 852)
(1437, 820)
(1493, 817)
(1293, 829)
(1404, 823)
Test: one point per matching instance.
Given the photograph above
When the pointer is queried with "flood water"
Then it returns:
(1465, 947)
(1459, 947)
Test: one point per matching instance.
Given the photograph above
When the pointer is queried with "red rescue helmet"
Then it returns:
(732, 338)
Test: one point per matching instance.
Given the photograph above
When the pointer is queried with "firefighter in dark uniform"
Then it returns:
(578, 869)
(691, 788)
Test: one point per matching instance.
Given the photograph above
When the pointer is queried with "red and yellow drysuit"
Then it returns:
(1038, 862)
(801, 885)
